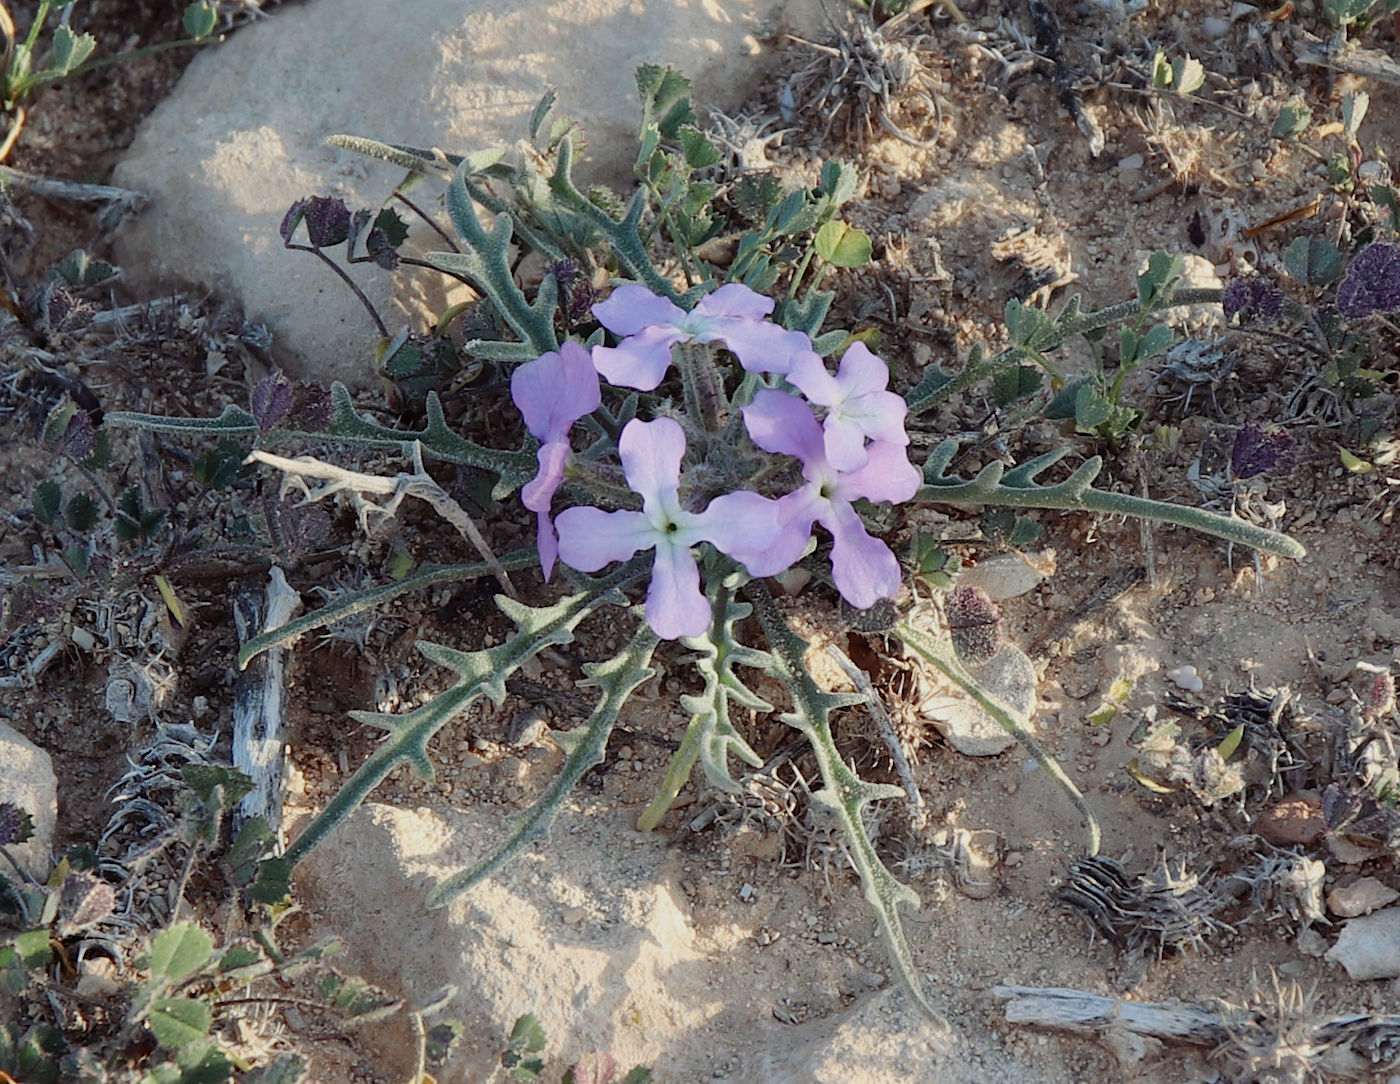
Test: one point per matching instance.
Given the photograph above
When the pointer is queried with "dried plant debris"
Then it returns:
(1271, 751)
(861, 79)
(1281, 886)
(1164, 911)
(1166, 762)
(1276, 1036)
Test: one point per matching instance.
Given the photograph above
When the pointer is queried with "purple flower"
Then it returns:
(1372, 282)
(553, 392)
(733, 315)
(858, 404)
(1254, 299)
(862, 567)
(590, 538)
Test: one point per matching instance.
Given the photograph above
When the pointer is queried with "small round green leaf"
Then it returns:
(843, 245)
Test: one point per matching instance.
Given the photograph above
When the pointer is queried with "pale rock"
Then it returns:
(1185, 677)
(27, 779)
(1361, 897)
(1008, 575)
(242, 136)
(1369, 947)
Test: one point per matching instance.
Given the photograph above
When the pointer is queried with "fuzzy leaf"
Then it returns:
(179, 1021)
(47, 498)
(1313, 261)
(179, 951)
(1293, 119)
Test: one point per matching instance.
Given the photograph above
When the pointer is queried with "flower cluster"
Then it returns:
(856, 450)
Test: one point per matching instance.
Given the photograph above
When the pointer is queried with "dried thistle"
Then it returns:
(860, 78)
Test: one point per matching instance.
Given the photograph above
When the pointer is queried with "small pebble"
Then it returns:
(1131, 163)
(1185, 677)
(573, 916)
(1293, 821)
(1361, 897)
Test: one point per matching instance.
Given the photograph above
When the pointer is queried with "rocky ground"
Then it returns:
(733, 943)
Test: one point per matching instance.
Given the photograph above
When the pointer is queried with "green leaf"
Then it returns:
(1342, 13)
(842, 245)
(1231, 742)
(69, 50)
(698, 151)
(639, 1075)
(179, 951)
(1293, 119)
(527, 1034)
(179, 1021)
(354, 998)
(33, 948)
(1157, 339)
(236, 957)
(81, 513)
(80, 269)
(48, 496)
(1161, 71)
(1156, 283)
(199, 20)
(665, 95)
(1354, 107)
(1313, 261)
(839, 183)
(1091, 409)
(1017, 383)
(207, 779)
(1188, 75)
(274, 882)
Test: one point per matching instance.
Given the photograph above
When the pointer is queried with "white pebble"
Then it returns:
(1131, 163)
(1185, 677)
(1215, 27)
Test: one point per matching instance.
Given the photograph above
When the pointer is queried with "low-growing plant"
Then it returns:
(48, 55)
(158, 1019)
(523, 1059)
(698, 437)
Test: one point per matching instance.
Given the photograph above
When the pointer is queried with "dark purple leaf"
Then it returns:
(1258, 449)
(1253, 299)
(16, 825)
(80, 438)
(378, 245)
(271, 400)
(296, 527)
(327, 221)
(1372, 282)
(292, 219)
(974, 623)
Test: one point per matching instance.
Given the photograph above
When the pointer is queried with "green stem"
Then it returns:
(677, 773)
(940, 654)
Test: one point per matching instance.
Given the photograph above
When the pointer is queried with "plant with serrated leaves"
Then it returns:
(523, 1059)
(47, 55)
(158, 1023)
(715, 439)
